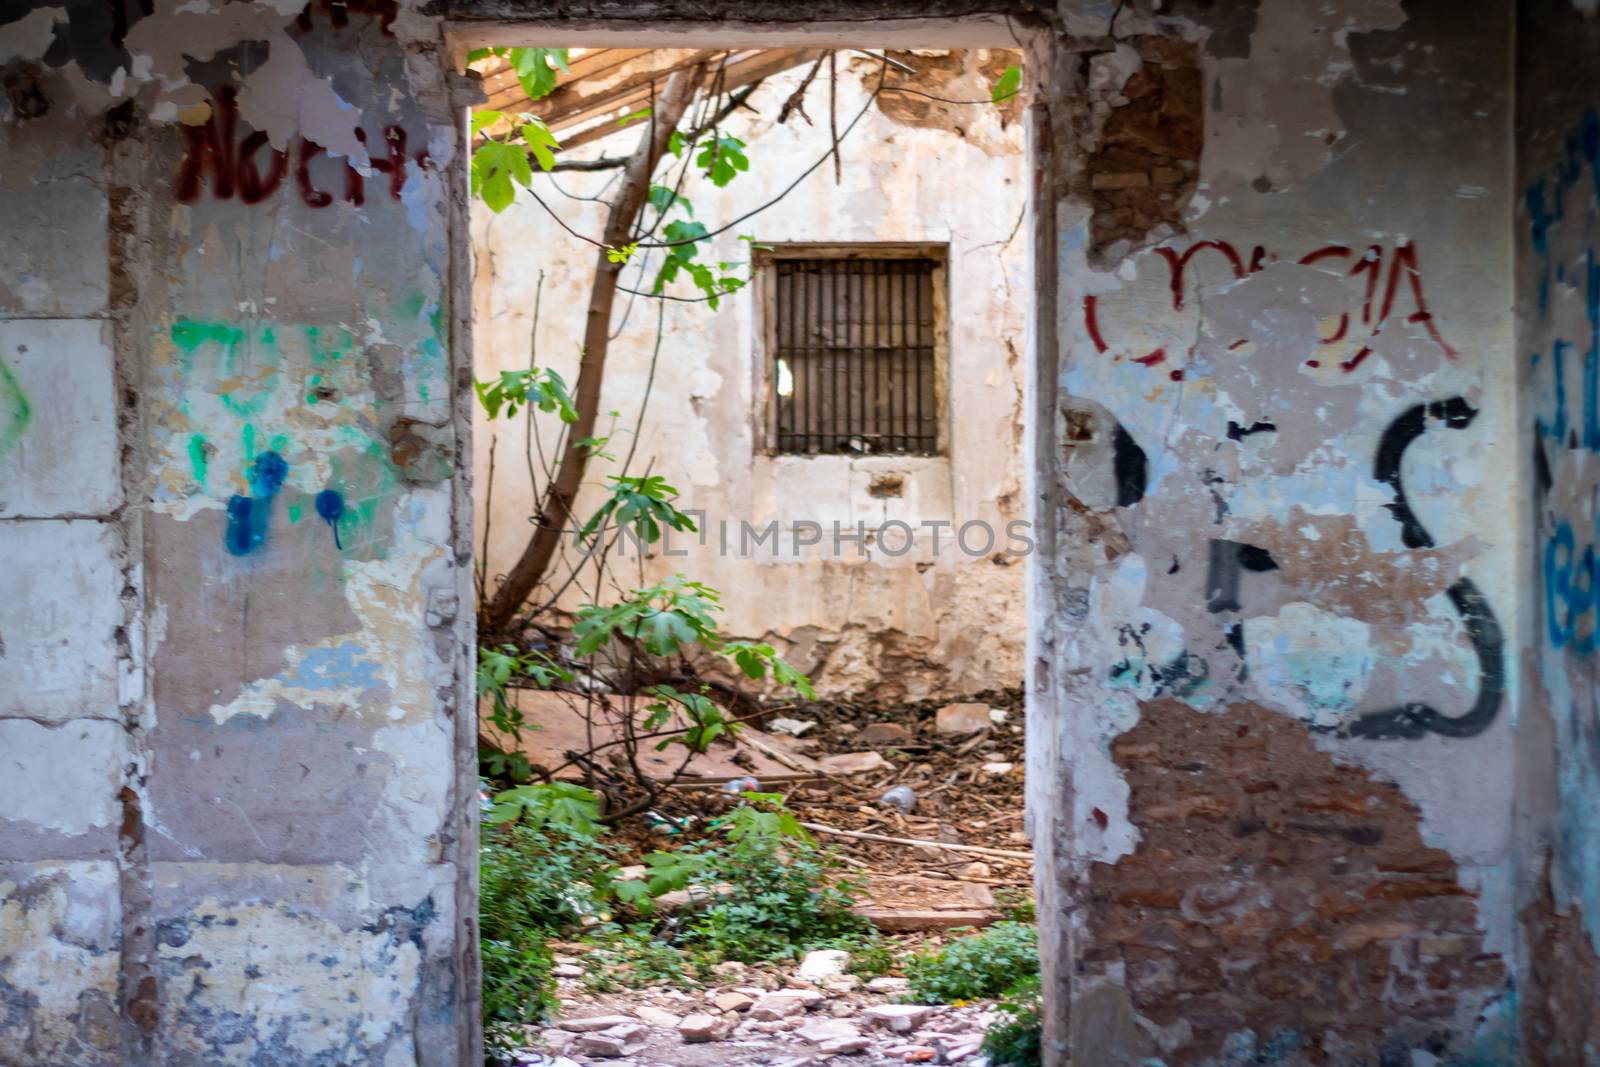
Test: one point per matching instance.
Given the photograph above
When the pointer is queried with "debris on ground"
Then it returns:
(924, 804)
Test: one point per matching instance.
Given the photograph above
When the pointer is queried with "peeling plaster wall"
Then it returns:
(1277, 655)
(865, 622)
(231, 822)
(1558, 303)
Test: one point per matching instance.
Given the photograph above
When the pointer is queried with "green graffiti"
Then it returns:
(191, 335)
(197, 458)
(247, 443)
(295, 511)
(328, 346)
(280, 443)
(15, 411)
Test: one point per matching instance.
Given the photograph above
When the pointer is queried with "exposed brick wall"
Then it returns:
(1561, 1018)
(1147, 161)
(1277, 891)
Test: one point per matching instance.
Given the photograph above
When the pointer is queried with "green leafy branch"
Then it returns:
(516, 389)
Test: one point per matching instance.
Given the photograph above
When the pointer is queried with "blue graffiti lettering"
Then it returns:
(249, 516)
(330, 506)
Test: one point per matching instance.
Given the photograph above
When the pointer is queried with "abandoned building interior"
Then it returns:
(582, 523)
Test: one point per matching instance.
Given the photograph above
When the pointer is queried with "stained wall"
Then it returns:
(1277, 667)
(231, 825)
(1558, 313)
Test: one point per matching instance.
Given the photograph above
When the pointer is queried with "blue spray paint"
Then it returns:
(330, 505)
(248, 516)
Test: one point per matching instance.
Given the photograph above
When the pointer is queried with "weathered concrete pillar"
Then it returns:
(1277, 636)
(233, 822)
(1558, 347)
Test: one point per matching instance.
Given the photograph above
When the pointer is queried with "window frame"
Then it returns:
(767, 255)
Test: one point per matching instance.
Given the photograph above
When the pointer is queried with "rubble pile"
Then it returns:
(817, 1013)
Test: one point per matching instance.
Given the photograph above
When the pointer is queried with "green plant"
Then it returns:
(497, 666)
(980, 965)
(1015, 904)
(534, 883)
(517, 988)
(1016, 1039)
(870, 954)
(634, 956)
(573, 808)
(772, 892)
(1007, 85)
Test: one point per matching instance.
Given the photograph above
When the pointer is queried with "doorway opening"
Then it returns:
(750, 334)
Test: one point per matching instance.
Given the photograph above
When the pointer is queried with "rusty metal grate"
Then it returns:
(854, 368)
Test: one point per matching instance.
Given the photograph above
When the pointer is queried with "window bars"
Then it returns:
(854, 371)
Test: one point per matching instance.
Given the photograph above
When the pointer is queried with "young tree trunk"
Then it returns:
(556, 517)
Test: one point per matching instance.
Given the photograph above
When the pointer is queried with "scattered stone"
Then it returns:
(959, 1048)
(902, 797)
(729, 968)
(819, 1031)
(962, 718)
(884, 735)
(997, 716)
(567, 970)
(900, 1018)
(655, 1016)
(697, 1028)
(977, 869)
(777, 1006)
(622, 1040)
(792, 727)
(841, 1009)
(841, 983)
(557, 1040)
(852, 763)
(998, 768)
(978, 894)
(594, 1023)
(733, 1001)
(823, 963)
(888, 984)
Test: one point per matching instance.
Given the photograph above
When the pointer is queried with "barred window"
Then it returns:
(853, 365)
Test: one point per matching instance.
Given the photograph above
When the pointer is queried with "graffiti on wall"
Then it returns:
(1562, 210)
(1274, 455)
(1229, 562)
(263, 380)
(15, 411)
(1385, 286)
(217, 156)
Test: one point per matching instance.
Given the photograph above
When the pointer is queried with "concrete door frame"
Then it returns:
(861, 24)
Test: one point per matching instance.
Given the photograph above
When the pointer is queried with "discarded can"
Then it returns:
(741, 785)
(902, 797)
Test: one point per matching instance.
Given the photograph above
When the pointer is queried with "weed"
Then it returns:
(1015, 904)
(534, 883)
(1016, 1039)
(977, 966)
(774, 893)
(633, 957)
(870, 954)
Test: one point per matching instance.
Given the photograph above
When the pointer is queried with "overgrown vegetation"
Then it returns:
(761, 888)
(986, 964)
(1017, 1039)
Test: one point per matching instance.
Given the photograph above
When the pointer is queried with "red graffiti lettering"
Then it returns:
(215, 157)
(212, 143)
(1403, 267)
